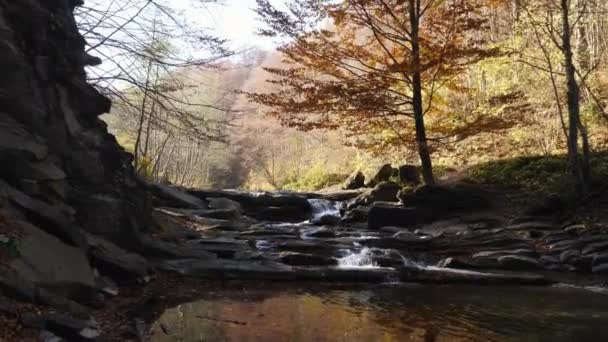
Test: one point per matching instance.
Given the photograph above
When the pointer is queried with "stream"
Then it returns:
(389, 311)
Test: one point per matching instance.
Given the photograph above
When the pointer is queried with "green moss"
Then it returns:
(539, 175)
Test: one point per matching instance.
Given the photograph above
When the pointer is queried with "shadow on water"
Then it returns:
(387, 313)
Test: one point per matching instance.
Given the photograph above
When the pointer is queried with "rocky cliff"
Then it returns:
(66, 187)
(61, 169)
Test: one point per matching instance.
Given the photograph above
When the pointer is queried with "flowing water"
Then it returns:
(389, 313)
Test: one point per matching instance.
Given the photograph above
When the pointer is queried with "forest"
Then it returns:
(303, 170)
(346, 90)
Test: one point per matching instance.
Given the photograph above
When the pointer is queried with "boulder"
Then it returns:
(409, 174)
(173, 197)
(112, 261)
(326, 220)
(354, 181)
(383, 174)
(47, 261)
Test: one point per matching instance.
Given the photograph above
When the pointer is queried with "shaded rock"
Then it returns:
(105, 215)
(15, 139)
(455, 262)
(536, 225)
(318, 233)
(384, 174)
(566, 256)
(358, 214)
(173, 197)
(225, 203)
(519, 263)
(116, 263)
(299, 259)
(326, 220)
(409, 174)
(451, 276)
(600, 269)
(228, 269)
(400, 243)
(445, 199)
(155, 248)
(600, 259)
(383, 214)
(66, 327)
(47, 261)
(307, 247)
(14, 286)
(354, 181)
(219, 214)
(595, 248)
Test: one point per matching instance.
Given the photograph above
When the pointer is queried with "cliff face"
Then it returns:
(59, 167)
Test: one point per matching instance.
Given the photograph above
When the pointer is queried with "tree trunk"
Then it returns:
(576, 165)
(421, 140)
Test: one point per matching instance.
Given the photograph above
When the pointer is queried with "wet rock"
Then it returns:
(318, 233)
(299, 259)
(354, 181)
(399, 243)
(358, 214)
(116, 263)
(224, 247)
(455, 262)
(600, 259)
(308, 247)
(566, 256)
(173, 197)
(518, 263)
(534, 225)
(450, 276)
(326, 220)
(228, 269)
(595, 248)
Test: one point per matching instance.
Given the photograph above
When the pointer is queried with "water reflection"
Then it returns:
(402, 313)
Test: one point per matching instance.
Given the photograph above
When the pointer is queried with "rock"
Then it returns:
(454, 262)
(517, 252)
(568, 255)
(384, 174)
(225, 203)
(534, 225)
(47, 261)
(15, 139)
(409, 174)
(173, 197)
(384, 192)
(518, 263)
(600, 259)
(308, 247)
(326, 220)
(218, 214)
(299, 259)
(14, 286)
(601, 269)
(358, 214)
(228, 269)
(383, 214)
(354, 181)
(595, 248)
(112, 261)
(447, 199)
(57, 220)
(156, 248)
(105, 215)
(318, 233)
(451, 276)
(399, 243)
(63, 326)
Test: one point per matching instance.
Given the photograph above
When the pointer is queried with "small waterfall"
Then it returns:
(321, 208)
(361, 259)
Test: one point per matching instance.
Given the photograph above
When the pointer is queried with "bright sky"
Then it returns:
(234, 20)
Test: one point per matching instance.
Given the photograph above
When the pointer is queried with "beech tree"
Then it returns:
(373, 68)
